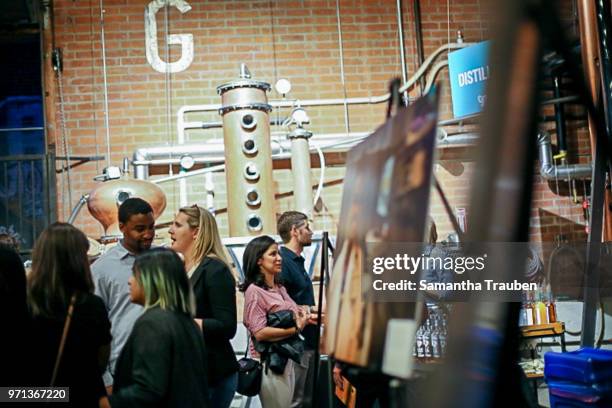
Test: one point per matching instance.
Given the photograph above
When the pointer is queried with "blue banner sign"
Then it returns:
(469, 72)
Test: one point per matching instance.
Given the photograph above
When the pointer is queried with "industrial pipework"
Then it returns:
(550, 171)
(248, 156)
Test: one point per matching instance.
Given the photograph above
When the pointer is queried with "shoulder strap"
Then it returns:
(246, 351)
(63, 340)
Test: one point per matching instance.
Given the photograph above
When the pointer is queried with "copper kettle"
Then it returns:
(104, 200)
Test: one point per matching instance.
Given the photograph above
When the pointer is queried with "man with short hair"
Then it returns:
(294, 229)
(113, 269)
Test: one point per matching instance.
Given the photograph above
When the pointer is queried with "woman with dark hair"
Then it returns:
(14, 309)
(263, 294)
(163, 363)
(194, 234)
(61, 282)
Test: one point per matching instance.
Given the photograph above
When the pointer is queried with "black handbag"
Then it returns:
(249, 375)
(282, 319)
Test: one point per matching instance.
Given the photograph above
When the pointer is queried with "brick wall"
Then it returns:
(297, 40)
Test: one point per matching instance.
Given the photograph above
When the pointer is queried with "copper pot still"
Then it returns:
(248, 156)
(104, 201)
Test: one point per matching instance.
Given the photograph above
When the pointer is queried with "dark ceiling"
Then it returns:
(18, 13)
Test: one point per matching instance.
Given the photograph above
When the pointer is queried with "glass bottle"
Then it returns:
(552, 308)
(419, 343)
(529, 315)
(523, 312)
(427, 340)
(442, 338)
(435, 340)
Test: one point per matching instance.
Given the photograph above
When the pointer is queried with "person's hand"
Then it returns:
(313, 318)
(199, 322)
(301, 319)
(103, 402)
(337, 374)
(311, 313)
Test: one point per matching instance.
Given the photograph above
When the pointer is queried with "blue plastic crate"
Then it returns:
(584, 366)
(565, 394)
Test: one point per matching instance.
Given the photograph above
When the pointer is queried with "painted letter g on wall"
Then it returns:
(184, 40)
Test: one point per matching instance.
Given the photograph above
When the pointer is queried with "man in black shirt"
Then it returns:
(294, 229)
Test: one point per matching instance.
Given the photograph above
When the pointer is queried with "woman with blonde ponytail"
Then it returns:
(195, 235)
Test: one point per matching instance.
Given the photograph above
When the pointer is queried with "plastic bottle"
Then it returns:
(541, 311)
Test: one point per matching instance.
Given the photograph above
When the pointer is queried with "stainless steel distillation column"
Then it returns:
(300, 167)
(248, 156)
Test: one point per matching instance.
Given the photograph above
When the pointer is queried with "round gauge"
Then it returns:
(187, 162)
(283, 86)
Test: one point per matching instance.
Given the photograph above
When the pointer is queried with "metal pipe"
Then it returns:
(559, 116)
(181, 124)
(419, 33)
(590, 56)
(342, 76)
(323, 274)
(433, 74)
(201, 125)
(48, 82)
(77, 208)
(213, 153)
(563, 99)
(22, 129)
(141, 172)
(400, 33)
(454, 121)
(105, 79)
(552, 118)
(550, 171)
(181, 136)
(431, 77)
(191, 173)
(301, 170)
(467, 139)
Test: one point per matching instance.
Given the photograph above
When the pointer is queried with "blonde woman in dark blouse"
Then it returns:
(195, 235)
